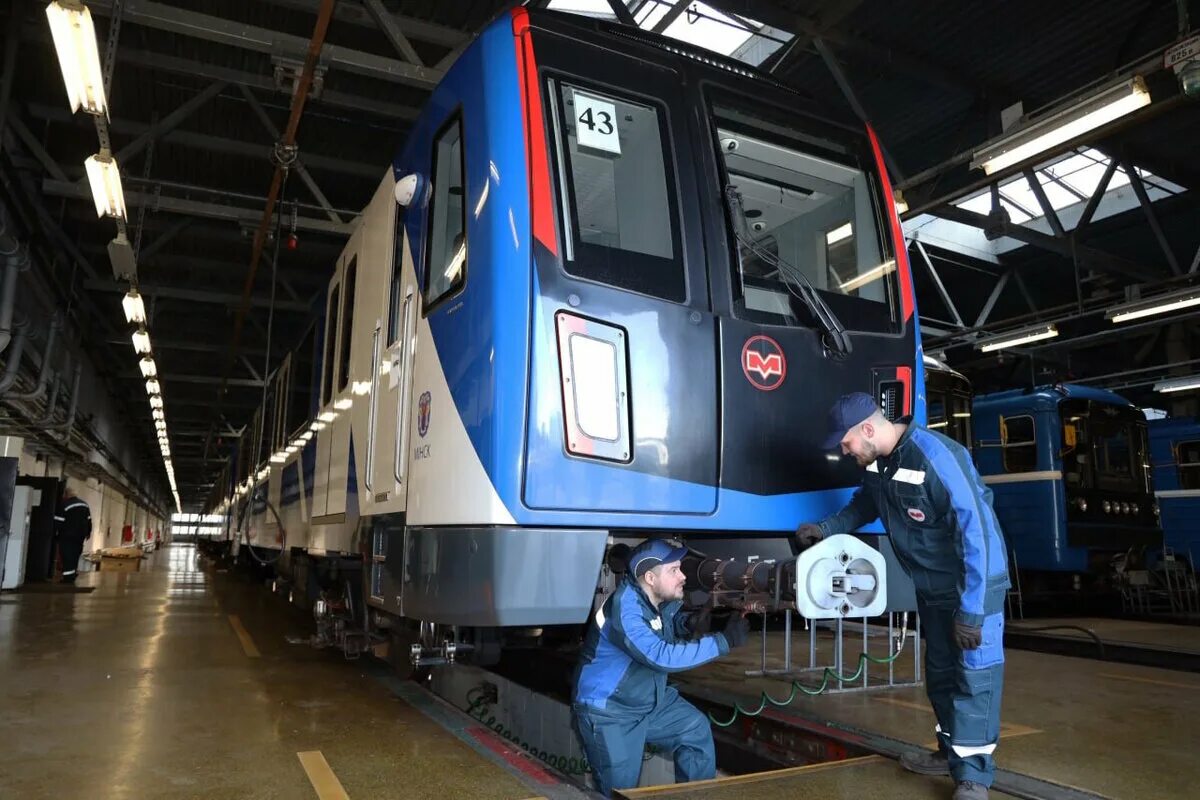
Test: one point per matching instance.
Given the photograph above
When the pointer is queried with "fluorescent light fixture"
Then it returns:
(78, 56)
(870, 276)
(153, 387)
(940, 424)
(1018, 338)
(105, 179)
(135, 309)
(1064, 125)
(1149, 306)
(156, 402)
(838, 234)
(157, 413)
(160, 425)
(141, 341)
(961, 414)
(1178, 384)
(148, 367)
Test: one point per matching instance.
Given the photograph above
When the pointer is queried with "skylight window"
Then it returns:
(700, 25)
(1067, 182)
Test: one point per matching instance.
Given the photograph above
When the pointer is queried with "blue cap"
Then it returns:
(849, 410)
(652, 552)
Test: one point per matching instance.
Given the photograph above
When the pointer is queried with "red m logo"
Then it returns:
(764, 365)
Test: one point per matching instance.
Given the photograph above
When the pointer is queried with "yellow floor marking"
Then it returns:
(891, 701)
(756, 777)
(1172, 684)
(1007, 729)
(321, 777)
(247, 642)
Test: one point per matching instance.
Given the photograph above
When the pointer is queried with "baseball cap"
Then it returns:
(848, 411)
(649, 554)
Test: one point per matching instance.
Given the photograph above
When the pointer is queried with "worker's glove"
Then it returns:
(806, 536)
(737, 630)
(699, 621)
(967, 637)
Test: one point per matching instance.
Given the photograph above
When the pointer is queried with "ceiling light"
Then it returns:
(1178, 384)
(1017, 338)
(135, 309)
(1149, 306)
(141, 341)
(105, 179)
(153, 387)
(78, 56)
(156, 402)
(838, 234)
(157, 413)
(148, 367)
(1062, 126)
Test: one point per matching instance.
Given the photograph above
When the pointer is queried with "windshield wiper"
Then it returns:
(797, 284)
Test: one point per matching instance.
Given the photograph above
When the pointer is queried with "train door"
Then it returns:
(340, 470)
(325, 409)
(393, 347)
(633, 256)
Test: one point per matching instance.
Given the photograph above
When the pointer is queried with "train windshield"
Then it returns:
(805, 211)
(949, 413)
(1104, 447)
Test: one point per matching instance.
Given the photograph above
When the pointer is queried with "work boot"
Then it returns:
(969, 790)
(928, 763)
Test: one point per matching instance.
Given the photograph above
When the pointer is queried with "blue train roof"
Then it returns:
(1173, 426)
(1048, 397)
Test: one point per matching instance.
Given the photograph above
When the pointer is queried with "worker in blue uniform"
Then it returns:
(622, 700)
(925, 490)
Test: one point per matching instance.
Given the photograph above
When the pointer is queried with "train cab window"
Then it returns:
(446, 264)
(1019, 443)
(347, 322)
(803, 202)
(620, 224)
(1187, 458)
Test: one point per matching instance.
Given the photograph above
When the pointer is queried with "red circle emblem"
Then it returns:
(763, 363)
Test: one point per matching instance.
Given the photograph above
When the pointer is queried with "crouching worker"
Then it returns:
(622, 700)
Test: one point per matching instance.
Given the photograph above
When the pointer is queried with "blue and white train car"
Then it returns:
(1175, 459)
(609, 290)
(1069, 468)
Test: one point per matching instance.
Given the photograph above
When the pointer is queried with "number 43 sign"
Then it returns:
(596, 123)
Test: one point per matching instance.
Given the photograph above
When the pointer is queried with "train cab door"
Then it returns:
(393, 345)
(341, 471)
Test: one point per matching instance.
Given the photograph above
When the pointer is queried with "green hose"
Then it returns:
(798, 687)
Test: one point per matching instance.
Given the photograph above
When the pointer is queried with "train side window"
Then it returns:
(446, 251)
(302, 383)
(331, 327)
(347, 322)
(1187, 458)
(620, 218)
(1019, 442)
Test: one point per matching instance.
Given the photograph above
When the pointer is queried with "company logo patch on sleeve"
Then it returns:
(916, 514)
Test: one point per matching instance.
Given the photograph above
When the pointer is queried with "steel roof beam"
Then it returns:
(195, 208)
(194, 295)
(261, 40)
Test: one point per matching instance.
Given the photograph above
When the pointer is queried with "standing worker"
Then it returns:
(73, 523)
(622, 700)
(924, 487)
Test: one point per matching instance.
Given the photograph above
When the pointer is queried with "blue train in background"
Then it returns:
(1175, 460)
(1069, 468)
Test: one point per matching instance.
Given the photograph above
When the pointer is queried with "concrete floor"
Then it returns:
(872, 777)
(1155, 635)
(147, 688)
(1120, 730)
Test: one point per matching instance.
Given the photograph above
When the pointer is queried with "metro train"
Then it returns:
(948, 396)
(608, 290)
(1175, 461)
(1069, 469)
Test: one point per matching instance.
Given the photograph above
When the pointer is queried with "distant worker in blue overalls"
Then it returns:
(622, 700)
(924, 487)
